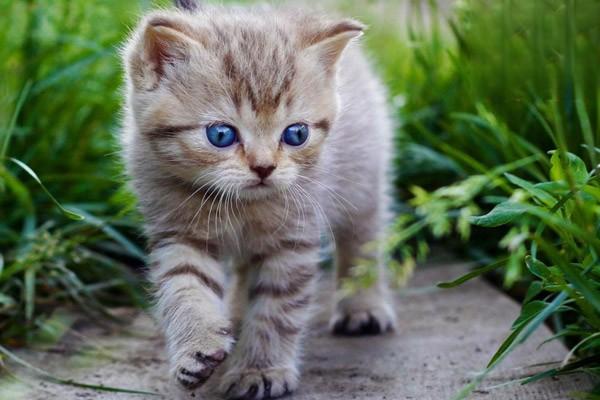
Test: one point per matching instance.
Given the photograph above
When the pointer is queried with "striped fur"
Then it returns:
(234, 259)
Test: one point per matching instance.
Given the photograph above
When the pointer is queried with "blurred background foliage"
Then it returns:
(60, 101)
(498, 123)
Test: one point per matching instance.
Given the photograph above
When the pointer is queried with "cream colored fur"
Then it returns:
(234, 265)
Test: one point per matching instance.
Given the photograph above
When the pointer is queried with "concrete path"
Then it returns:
(445, 337)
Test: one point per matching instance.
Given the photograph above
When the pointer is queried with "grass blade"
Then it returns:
(29, 293)
(114, 234)
(13, 121)
(569, 368)
(580, 283)
(69, 382)
(473, 274)
(71, 214)
(515, 340)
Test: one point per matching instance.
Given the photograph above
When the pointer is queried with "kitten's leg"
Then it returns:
(237, 300)
(264, 363)
(190, 286)
(368, 311)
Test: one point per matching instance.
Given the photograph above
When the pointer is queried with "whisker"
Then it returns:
(232, 197)
(299, 209)
(282, 193)
(337, 177)
(330, 190)
(191, 195)
(319, 210)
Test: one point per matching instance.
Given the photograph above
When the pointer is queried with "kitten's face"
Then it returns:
(238, 102)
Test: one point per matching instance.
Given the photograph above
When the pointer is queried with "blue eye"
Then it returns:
(221, 135)
(295, 135)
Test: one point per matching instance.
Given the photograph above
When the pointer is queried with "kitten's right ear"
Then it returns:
(328, 40)
(187, 5)
(164, 42)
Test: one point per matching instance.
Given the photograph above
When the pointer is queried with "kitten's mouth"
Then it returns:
(258, 190)
(261, 184)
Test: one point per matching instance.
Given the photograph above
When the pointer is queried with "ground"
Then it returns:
(445, 336)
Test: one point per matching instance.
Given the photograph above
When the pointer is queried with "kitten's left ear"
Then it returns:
(330, 40)
(164, 42)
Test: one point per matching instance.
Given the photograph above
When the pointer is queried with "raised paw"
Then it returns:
(198, 368)
(258, 384)
(192, 367)
(356, 317)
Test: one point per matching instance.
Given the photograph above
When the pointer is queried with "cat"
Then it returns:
(249, 134)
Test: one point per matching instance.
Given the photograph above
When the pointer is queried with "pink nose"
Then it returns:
(262, 171)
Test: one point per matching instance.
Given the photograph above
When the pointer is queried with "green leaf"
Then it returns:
(29, 294)
(525, 328)
(559, 223)
(71, 214)
(593, 191)
(417, 161)
(515, 338)
(114, 234)
(535, 288)
(529, 311)
(575, 164)
(20, 191)
(569, 368)
(502, 214)
(6, 300)
(473, 274)
(584, 121)
(574, 276)
(537, 268)
(67, 382)
(506, 346)
(530, 188)
(62, 73)
(556, 188)
(13, 120)
(55, 326)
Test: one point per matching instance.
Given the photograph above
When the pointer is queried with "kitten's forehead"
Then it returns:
(258, 69)
(258, 57)
(262, 70)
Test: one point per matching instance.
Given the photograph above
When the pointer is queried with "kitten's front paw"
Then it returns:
(195, 369)
(363, 315)
(196, 361)
(258, 384)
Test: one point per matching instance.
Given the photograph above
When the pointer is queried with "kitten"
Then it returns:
(248, 133)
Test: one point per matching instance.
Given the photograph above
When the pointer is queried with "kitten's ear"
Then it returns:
(164, 42)
(187, 5)
(330, 40)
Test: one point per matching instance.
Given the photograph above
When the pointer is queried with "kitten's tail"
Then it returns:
(187, 5)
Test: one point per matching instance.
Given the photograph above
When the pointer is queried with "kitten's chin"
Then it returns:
(258, 192)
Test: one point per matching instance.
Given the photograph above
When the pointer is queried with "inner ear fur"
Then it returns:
(330, 39)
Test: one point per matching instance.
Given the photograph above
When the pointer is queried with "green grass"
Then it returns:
(500, 132)
(482, 99)
(59, 110)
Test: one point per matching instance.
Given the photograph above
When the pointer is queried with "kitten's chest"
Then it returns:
(258, 227)
(250, 227)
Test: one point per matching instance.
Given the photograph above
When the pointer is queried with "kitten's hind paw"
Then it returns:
(259, 384)
(355, 316)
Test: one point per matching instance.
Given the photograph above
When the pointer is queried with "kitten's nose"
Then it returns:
(263, 171)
